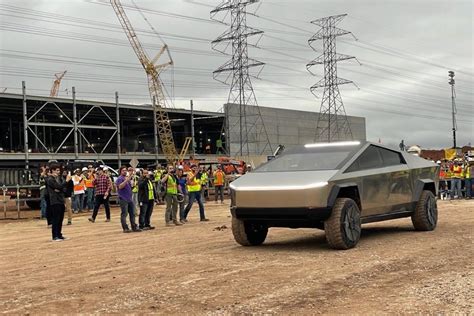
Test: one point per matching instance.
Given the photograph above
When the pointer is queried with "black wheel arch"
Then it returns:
(422, 185)
(345, 190)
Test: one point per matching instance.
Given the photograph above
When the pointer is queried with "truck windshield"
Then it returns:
(309, 160)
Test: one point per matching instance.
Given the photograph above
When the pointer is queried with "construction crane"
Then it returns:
(56, 83)
(155, 87)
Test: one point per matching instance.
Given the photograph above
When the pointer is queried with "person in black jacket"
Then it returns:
(146, 198)
(56, 186)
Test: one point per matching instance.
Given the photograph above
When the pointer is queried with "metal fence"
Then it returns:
(20, 199)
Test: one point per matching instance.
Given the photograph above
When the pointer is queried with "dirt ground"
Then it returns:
(199, 269)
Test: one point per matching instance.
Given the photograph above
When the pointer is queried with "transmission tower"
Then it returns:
(243, 122)
(333, 124)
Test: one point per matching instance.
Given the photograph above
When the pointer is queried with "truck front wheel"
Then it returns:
(343, 227)
(248, 233)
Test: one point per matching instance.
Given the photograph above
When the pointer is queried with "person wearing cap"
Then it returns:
(103, 186)
(194, 189)
(219, 179)
(204, 180)
(182, 181)
(170, 181)
(146, 197)
(456, 170)
(157, 175)
(90, 189)
(79, 189)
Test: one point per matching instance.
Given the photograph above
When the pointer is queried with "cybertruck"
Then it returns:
(336, 187)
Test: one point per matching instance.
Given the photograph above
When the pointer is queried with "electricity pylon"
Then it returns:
(333, 124)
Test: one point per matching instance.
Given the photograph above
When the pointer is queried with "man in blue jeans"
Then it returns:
(194, 190)
(124, 190)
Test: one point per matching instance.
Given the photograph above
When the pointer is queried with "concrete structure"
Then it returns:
(283, 126)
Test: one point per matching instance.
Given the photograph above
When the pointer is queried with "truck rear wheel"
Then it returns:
(425, 216)
(248, 233)
(343, 227)
(34, 205)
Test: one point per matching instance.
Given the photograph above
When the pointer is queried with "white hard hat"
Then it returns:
(438, 162)
(180, 167)
(84, 169)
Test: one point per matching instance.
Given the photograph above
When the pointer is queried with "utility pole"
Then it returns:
(248, 127)
(333, 124)
(453, 105)
(193, 141)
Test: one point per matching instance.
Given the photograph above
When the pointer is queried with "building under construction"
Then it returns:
(68, 129)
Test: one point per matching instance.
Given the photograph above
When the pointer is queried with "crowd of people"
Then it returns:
(138, 192)
(456, 179)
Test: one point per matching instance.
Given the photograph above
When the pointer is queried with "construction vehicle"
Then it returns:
(56, 83)
(155, 86)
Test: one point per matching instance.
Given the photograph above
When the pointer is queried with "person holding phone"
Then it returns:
(56, 187)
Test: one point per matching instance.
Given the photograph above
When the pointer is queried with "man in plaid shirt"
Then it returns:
(103, 185)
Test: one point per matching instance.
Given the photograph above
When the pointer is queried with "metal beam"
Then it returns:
(74, 119)
(119, 135)
(25, 124)
(72, 125)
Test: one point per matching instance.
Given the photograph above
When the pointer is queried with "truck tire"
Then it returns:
(425, 216)
(34, 205)
(343, 227)
(248, 233)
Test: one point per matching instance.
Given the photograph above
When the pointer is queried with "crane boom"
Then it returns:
(56, 83)
(155, 85)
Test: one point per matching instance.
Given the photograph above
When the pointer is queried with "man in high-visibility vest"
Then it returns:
(134, 183)
(204, 180)
(158, 174)
(170, 181)
(468, 177)
(194, 190)
(90, 189)
(79, 190)
(456, 171)
(219, 178)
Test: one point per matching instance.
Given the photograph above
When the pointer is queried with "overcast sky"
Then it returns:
(406, 48)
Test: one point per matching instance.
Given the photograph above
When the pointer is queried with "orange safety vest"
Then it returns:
(442, 174)
(89, 181)
(80, 186)
(219, 178)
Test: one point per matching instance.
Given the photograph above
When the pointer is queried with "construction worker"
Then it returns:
(204, 180)
(158, 174)
(219, 178)
(146, 197)
(456, 171)
(182, 181)
(468, 178)
(90, 190)
(194, 189)
(134, 182)
(170, 181)
(79, 190)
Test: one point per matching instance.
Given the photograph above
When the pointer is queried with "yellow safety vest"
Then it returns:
(171, 185)
(158, 174)
(195, 185)
(135, 184)
(151, 196)
(467, 174)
